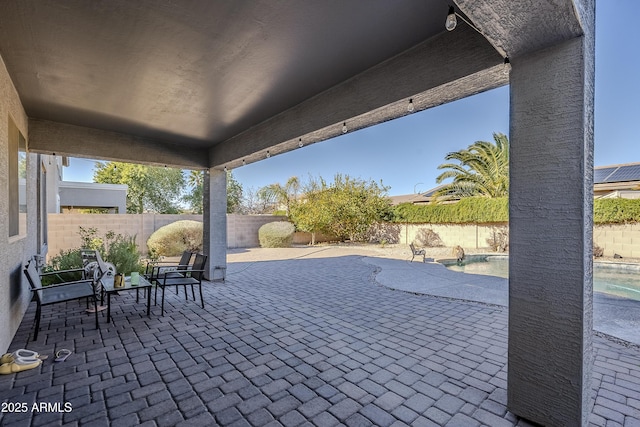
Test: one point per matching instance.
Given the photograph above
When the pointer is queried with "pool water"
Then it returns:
(607, 278)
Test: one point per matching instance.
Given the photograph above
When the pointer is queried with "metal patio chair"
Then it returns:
(58, 293)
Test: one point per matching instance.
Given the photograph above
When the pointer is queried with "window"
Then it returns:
(17, 181)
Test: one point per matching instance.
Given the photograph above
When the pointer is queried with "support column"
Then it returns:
(214, 206)
(551, 225)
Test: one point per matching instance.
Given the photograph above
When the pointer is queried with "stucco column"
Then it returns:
(551, 224)
(214, 206)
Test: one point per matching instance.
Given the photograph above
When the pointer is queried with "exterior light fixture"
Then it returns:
(410, 107)
(225, 169)
(507, 66)
(268, 154)
(451, 22)
(300, 144)
(344, 127)
(244, 162)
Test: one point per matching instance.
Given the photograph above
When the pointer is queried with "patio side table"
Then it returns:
(110, 289)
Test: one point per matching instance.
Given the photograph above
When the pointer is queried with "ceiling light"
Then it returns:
(507, 66)
(451, 22)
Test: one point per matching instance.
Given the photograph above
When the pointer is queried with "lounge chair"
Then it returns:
(61, 292)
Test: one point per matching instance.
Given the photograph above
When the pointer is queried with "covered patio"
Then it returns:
(307, 336)
(213, 85)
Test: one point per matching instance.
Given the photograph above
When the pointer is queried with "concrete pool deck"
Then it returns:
(614, 316)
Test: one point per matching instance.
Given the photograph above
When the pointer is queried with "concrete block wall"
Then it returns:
(623, 239)
(242, 230)
(467, 236)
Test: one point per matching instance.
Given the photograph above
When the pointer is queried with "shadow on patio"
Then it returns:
(285, 342)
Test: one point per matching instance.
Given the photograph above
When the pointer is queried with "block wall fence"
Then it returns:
(242, 231)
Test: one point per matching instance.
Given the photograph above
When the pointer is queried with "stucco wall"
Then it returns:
(14, 251)
(242, 230)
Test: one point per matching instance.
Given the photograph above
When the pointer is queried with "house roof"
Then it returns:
(617, 173)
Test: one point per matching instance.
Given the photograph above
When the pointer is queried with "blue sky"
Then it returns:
(405, 153)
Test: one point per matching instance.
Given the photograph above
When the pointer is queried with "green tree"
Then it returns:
(151, 189)
(346, 208)
(283, 195)
(483, 170)
(312, 212)
(193, 197)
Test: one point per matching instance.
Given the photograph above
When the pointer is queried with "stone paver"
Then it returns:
(306, 341)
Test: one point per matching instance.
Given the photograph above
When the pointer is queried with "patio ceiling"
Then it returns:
(204, 83)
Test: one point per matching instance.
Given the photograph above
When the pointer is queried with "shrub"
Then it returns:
(499, 239)
(175, 238)
(123, 253)
(276, 234)
(117, 249)
(427, 238)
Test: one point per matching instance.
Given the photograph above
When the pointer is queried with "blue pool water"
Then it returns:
(622, 281)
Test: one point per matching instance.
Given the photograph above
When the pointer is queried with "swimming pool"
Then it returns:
(622, 280)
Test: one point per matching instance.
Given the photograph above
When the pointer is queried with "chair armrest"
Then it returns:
(49, 273)
(165, 278)
(60, 285)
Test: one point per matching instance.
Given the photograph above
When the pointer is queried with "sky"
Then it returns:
(405, 153)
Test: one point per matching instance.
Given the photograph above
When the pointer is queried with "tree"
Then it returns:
(151, 189)
(283, 195)
(346, 208)
(312, 213)
(483, 170)
(195, 180)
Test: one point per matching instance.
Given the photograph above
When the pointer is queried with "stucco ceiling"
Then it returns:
(197, 71)
(229, 79)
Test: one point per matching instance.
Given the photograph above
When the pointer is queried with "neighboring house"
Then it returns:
(617, 181)
(91, 195)
(609, 182)
(69, 196)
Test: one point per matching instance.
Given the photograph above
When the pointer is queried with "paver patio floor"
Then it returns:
(307, 341)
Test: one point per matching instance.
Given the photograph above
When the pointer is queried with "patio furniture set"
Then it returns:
(97, 280)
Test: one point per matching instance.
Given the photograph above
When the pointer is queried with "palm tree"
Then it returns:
(483, 170)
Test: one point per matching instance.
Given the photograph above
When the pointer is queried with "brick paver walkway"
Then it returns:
(291, 342)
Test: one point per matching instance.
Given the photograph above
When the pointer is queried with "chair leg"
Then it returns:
(35, 335)
(193, 293)
(95, 307)
(163, 301)
(201, 298)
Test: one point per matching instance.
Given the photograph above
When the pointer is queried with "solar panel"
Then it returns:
(625, 173)
(600, 175)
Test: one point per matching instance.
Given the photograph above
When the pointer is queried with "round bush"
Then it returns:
(175, 238)
(277, 234)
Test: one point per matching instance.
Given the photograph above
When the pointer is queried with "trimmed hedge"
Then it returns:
(483, 210)
(175, 238)
(475, 210)
(616, 211)
(277, 234)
